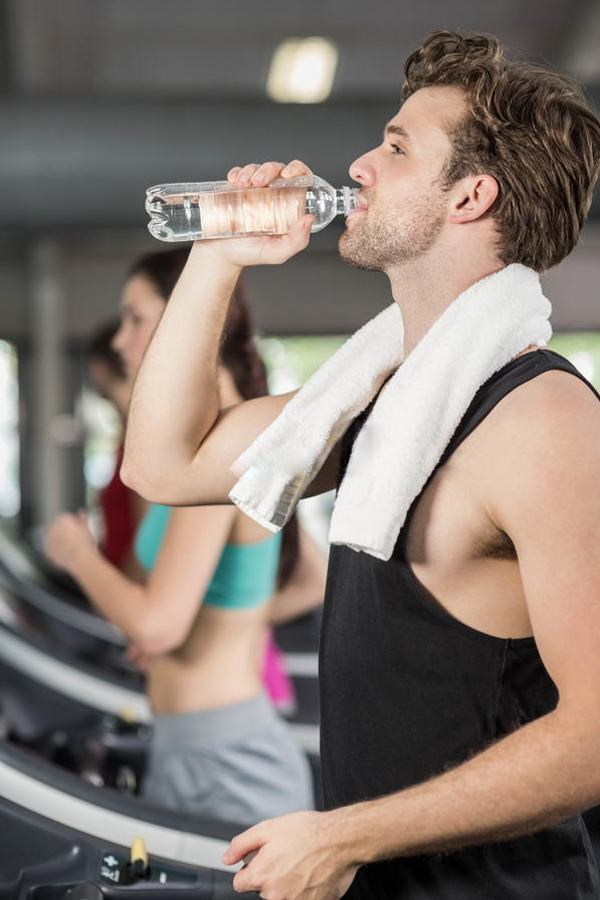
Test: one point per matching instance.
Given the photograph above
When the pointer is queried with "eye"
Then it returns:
(396, 150)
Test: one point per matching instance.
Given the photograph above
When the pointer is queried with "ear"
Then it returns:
(471, 198)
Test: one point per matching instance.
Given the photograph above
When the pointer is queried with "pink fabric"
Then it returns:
(275, 678)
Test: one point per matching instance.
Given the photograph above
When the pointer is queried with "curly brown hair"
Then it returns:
(532, 129)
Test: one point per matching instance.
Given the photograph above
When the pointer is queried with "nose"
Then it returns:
(119, 340)
(363, 170)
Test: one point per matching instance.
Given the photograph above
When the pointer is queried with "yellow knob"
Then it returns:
(127, 713)
(138, 851)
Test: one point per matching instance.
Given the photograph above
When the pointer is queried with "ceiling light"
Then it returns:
(302, 70)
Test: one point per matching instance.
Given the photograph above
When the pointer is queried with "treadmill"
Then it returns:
(64, 839)
(68, 691)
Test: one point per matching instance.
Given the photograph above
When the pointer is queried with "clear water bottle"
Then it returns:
(220, 209)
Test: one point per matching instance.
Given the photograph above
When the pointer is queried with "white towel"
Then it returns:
(411, 422)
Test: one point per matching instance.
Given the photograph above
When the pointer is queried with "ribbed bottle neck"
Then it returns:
(346, 200)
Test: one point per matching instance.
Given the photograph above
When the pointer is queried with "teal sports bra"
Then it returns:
(245, 575)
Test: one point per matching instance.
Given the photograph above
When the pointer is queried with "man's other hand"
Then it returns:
(300, 856)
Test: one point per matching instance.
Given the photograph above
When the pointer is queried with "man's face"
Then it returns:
(402, 207)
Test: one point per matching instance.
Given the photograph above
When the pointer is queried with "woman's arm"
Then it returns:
(306, 586)
(157, 616)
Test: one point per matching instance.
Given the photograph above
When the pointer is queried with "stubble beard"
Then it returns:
(380, 241)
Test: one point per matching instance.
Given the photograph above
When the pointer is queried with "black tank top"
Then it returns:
(408, 691)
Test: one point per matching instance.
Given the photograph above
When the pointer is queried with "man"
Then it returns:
(460, 678)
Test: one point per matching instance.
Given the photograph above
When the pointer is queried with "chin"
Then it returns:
(354, 253)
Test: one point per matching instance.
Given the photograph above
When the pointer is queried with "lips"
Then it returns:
(360, 207)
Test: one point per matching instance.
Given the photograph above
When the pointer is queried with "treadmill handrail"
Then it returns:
(64, 612)
(107, 824)
(95, 693)
(92, 692)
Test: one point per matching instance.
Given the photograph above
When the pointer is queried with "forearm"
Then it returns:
(539, 775)
(291, 603)
(299, 596)
(175, 400)
(119, 599)
(305, 587)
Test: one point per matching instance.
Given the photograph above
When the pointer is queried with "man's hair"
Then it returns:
(530, 128)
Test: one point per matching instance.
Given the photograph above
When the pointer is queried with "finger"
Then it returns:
(295, 168)
(289, 244)
(233, 173)
(267, 172)
(243, 844)
(246, 880)
(298, 236)
(246, 173)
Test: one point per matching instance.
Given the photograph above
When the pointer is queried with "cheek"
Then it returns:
(143, 338)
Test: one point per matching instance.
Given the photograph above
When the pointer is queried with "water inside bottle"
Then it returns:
(253, 211)
(227, 213)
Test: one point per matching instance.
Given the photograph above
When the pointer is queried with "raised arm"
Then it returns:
(179, 445)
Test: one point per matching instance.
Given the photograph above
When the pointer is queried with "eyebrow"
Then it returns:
(397, 130)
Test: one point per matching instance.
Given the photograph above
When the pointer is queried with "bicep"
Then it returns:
(206, 479)
(549, 505)
(209, 480)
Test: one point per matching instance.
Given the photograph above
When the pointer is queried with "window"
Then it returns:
(290, 362)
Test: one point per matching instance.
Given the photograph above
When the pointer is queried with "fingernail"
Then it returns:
(258, 179)
(286, 171)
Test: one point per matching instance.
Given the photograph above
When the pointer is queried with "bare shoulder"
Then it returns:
(554, 409)
(541, 443)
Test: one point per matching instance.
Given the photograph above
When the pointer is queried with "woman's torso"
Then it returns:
(219, 661)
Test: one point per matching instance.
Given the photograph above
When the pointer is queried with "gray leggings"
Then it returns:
(237, 763)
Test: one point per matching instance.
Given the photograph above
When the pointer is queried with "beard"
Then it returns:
(378, 240)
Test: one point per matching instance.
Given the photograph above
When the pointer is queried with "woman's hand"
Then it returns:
(261, 249)
(138, 657)
(66, 538)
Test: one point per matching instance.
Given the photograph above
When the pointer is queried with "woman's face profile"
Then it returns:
(141, 311)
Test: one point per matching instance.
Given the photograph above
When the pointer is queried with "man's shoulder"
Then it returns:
(553, 396)
(547, 422)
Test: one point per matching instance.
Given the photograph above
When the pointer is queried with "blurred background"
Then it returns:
(100, 99)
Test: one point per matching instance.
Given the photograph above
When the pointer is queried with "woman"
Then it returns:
(219, 748)
(121, 508)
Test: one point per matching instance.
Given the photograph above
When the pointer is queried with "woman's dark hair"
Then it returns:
(239, 355)
(99, 347)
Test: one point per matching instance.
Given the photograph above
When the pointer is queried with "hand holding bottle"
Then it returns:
(256, 201)
(264, 249)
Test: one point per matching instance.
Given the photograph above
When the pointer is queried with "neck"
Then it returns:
(425, 288)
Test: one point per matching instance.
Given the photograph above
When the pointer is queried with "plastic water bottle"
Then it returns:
(220, 209)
